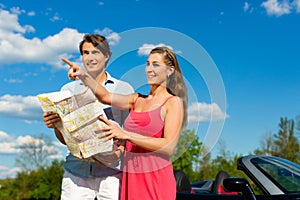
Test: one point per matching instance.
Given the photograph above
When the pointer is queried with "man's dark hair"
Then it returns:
(98, 41)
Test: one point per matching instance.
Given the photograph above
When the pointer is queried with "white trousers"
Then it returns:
(77, 188)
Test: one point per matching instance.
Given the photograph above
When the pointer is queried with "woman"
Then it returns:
(151, 130)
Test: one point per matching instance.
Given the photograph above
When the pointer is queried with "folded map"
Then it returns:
(80, 123)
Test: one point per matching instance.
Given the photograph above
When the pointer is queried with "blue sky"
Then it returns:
(240, 60)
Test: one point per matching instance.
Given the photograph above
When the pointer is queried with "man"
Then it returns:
(83, 178)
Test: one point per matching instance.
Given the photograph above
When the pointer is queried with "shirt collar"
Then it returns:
(108, 79)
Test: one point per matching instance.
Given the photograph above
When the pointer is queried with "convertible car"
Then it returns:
(277, 178)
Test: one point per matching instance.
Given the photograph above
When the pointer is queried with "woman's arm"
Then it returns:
(165, 145)
(117, 100)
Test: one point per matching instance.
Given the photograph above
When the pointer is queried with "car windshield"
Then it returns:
(283, 173)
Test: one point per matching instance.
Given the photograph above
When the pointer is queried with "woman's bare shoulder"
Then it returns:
(174, 101)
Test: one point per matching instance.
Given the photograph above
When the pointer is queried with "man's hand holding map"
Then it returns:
(79, 114)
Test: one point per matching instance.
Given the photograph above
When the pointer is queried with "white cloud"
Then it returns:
(17, 10)
(12, 80)
(203, 112)
(145, 49)
(31, 13)
(10, 145)
(4, 136)
(22, 107)
(274, 7)
(7, 143)
(3, 168)
(22, 140)
(9, 172)
(246, 6)
(113, 38)
(296, 3)
(56, 17)
(16, 48)
(9, 25)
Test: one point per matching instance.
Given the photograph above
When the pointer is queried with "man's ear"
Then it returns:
(107, 56)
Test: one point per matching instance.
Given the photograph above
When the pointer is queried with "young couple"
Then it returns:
(149, 133)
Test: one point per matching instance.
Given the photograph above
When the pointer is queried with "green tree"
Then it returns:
(35, 152)
(43, 183)
(187, 153)
(298, 124)
(266, 145)
(204, 164)
(48, 182)
(225, 160)
(286, 144)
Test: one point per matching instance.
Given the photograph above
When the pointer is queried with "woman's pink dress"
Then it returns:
(147, 175)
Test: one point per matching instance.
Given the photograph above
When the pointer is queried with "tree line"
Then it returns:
(44, 180)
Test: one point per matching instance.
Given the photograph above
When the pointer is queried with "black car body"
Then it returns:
(277, 178)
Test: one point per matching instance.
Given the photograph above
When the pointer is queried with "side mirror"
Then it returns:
(239, 185)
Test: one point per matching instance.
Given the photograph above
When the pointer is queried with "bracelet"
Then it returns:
(121, 154)
(120, 151)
